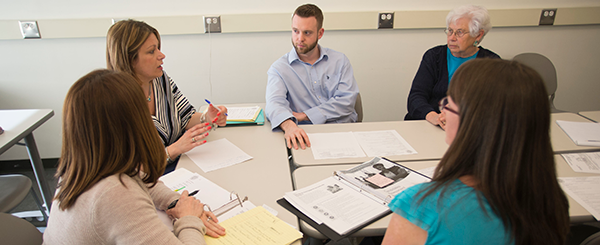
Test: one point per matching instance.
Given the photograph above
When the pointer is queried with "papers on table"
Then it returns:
(255, 227)
(209, 193)
(356, 144)
(335, 145)
(585, 191)
(588, 162)
(217, 154)
(243, 114)
(582, 133)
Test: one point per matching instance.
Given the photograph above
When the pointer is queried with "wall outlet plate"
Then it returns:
(547, 17)
(212, 24)
(386, 21)
(115, 20)
(29, 29)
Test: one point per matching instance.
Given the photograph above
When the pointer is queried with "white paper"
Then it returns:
(383, 143)
(588, 162)
(334, 145)
(582, 133)
(217, 154)
(337, 205)
(242, 113)
(585, 191)
(427, 171)
(235, 211)
(209, 193)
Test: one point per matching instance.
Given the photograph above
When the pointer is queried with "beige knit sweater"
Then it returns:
(113, 213)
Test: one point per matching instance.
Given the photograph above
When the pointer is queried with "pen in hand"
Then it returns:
(172, 205)
(218, 109)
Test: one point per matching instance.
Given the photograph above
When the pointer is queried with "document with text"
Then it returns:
(587, 162)
(356, 144)
(355, 197)
(585, 191)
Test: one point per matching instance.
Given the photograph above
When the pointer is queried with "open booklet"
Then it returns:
(351, 199)
(222, 203)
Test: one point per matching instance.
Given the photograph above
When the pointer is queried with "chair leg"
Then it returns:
(39, 204)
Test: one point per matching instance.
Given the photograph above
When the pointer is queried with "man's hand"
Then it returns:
(294, 135)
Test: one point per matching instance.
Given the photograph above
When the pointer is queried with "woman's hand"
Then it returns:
(213, 229)
(437, 119)
(213, 113)
(186, 205)
(192, 138)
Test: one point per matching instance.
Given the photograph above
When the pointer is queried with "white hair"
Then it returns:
(479, 18)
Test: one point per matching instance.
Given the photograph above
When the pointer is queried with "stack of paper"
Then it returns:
(582, 133)
(245, 115)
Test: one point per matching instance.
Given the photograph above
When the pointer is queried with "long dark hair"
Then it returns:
(503, 141)
(107, 130)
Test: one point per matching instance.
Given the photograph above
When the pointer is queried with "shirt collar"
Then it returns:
(293, 56)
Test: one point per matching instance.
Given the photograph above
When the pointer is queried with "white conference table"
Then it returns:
(428, 140)
(306, 176)
(265, 178)
(561, 143)
(20, 124)
(594, 115)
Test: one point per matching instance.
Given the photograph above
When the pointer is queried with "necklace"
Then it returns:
(150, 92)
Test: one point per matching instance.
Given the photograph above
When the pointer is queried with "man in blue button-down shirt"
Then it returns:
(310, 84)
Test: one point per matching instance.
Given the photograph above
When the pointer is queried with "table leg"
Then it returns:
(38, 170)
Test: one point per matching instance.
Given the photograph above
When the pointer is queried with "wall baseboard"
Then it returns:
(14, 165)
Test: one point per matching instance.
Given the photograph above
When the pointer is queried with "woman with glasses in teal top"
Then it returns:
(465, 28)
(497, 182)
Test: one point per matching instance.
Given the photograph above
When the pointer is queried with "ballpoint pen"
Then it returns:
(218, 109)
(173, 203)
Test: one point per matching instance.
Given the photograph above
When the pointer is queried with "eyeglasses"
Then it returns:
(443, 106)
(459, 32)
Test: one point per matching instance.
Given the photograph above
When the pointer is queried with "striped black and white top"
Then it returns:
(173, 110)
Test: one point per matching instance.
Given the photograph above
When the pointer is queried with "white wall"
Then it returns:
(38, 73)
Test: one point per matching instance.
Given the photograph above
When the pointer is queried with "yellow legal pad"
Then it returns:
(256, 226)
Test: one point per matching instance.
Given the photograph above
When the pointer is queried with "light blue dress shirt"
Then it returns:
(326, 91)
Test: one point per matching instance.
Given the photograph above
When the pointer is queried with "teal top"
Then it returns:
(457, 218)
(455, 62)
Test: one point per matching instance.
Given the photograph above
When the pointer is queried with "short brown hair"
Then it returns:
(123, 41)
(310, 10)
(107, 130)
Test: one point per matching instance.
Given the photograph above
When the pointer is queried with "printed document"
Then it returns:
(334, 145)
(585, 191)
(217, 154)
(356, 144)
(588, 162)
(255, 227)
(582, 133)
(383, 143)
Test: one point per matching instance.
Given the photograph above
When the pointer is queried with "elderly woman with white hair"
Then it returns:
(465, 28)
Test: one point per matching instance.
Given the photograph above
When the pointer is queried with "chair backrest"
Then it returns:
(358, 108)
(543, 66)
(15, 188)
(592, 240)
(547, 71)
(17, 231)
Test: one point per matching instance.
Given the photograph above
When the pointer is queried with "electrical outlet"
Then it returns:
(212, 24)
(547, 17)
(29, 29)
(386, 21)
